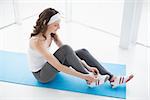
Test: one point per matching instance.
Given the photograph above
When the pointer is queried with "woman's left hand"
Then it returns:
(94, 70)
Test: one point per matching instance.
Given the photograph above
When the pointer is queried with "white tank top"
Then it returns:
(35, 60)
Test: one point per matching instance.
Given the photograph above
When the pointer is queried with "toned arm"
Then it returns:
(39, 46)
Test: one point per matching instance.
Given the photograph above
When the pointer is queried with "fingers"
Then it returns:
(95, 71)
(93, 79)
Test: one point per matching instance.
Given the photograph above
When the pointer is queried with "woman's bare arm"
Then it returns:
(85, 64)
(57, 39)
(39, 46)
(91, 69)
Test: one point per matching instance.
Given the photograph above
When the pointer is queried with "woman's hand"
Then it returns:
(93, 70)
(90, 78)
(54, 36)
(56, 39)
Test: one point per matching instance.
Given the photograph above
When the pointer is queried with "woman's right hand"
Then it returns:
(90, 78)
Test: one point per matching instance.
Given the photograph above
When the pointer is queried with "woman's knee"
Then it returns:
(84, 50)
(81, 51)
(67, 48)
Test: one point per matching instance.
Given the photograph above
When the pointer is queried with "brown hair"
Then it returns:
(41, 23)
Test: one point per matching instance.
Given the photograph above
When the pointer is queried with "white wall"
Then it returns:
(143, 34)
(31, 7)
(102, 14)
(26, 8)
(6, 12)
(18, 34)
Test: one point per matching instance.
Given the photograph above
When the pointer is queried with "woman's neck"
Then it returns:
(47, 33)
(41, 35)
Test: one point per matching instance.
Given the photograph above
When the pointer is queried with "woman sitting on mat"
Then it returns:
(80, 63)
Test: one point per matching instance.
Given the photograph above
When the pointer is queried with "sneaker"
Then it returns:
(119, 80)
(101, 79)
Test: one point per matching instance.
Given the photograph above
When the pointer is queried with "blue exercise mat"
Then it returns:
(14, 69)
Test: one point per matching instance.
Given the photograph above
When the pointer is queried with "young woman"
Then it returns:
(80, 63)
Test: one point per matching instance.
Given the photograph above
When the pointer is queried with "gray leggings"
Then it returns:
(68, 57)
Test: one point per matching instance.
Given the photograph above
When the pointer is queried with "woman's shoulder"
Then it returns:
(36, 42)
